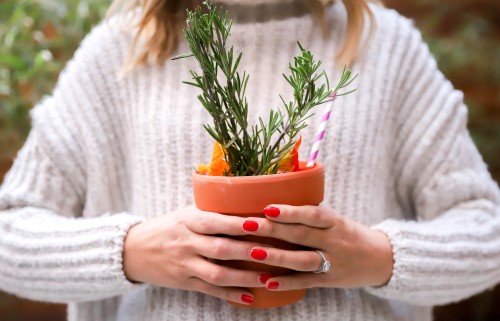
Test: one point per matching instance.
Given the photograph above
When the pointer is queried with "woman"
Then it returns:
(96, 211)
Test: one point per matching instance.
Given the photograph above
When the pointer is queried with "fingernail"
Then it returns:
(264, 277)
(258, 254)
(250, 226)
(271, 211)
(273, 285)
(247, 298)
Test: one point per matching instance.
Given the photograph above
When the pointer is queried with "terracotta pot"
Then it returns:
(247, 196)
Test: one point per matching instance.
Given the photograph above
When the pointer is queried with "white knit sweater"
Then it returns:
(108, 151)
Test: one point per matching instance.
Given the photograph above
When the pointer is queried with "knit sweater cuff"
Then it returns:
(397, 281)
(123, 221)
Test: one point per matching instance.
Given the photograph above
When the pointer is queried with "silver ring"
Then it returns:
(325, 264)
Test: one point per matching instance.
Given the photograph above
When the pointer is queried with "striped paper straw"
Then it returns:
(321, 132)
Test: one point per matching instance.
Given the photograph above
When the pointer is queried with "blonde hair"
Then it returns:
(159, 23)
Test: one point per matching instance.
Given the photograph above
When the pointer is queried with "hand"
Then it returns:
(360, 256)
(172, 250)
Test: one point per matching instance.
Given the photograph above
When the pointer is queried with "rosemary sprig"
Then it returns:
(250, 150)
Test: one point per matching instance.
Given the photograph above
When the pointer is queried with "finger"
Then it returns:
(224, 248)
(292, 233)
(303, 261)
(315, 216)
(226, 293)
(296, 281)
(225, 276)
(215, 223)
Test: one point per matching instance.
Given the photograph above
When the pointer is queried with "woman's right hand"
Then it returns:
(173, 251)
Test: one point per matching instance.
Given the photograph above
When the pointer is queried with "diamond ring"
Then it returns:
(325, 264)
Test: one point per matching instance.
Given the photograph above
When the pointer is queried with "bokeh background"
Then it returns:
(37, 37)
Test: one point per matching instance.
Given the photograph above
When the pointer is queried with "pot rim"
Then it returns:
(318, 169)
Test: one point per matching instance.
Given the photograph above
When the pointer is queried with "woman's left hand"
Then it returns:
(359, 256)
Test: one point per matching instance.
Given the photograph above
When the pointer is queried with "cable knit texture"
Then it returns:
(107, 151)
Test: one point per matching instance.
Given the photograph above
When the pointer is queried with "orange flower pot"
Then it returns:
(247, 196)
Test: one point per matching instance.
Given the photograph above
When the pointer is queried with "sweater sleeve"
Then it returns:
(449, 247)
(48, 252)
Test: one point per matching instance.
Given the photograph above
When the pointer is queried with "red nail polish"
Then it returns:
(271, 211)
(250, 226)
(264, 277)
(258, 254)
(273, 285)
(247, 298)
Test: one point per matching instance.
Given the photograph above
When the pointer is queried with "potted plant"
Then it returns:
(253, 165)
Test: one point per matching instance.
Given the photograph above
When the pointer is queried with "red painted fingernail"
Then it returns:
(247, 298)
(250, 226)
(273, 285)
(258, 254)
(271, 211)
(264, 277)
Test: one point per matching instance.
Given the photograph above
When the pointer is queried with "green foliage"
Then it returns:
(36, 40)
(249, 150)
(467, 48)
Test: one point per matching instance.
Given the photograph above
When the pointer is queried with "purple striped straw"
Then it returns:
(321, 132)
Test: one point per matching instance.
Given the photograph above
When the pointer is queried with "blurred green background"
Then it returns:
(37, 37)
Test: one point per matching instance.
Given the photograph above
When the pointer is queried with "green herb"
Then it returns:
(249, 149)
